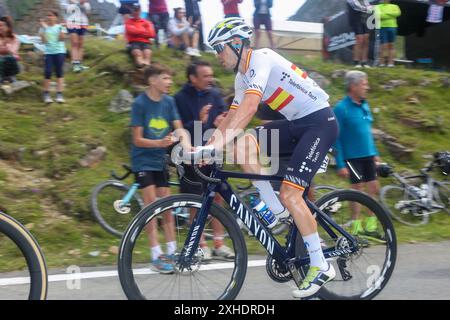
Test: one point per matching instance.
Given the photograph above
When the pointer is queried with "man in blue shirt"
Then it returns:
(356, 145)
(199, 104)
(153, 118)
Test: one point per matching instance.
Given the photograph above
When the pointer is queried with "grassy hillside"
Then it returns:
(43, 185)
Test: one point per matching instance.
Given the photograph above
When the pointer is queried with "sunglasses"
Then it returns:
(220, 46)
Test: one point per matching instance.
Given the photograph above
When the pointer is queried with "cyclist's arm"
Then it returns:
(236, 119)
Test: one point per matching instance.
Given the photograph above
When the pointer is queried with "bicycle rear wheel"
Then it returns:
(217, 278)
(105, 205)
(403, 206)
(442, 195)
(23, 272)
(363, 274)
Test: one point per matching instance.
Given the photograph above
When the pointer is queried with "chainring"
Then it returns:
(276, 272)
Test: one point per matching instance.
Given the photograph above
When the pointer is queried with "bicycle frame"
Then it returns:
(262, 234)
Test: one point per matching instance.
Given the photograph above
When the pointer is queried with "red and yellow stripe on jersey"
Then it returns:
(279, 99)
(299, 71)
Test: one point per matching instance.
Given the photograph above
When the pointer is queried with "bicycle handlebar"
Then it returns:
(126, 175)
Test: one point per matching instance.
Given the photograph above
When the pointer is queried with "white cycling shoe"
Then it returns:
(314, 280)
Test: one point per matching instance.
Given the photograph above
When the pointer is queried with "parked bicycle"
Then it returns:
(23, 272)
(412, 204)
(363, 265)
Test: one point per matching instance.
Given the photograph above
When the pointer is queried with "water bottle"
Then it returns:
(263, 212)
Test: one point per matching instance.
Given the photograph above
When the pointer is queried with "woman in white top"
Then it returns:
(182, 34)
(77, 23)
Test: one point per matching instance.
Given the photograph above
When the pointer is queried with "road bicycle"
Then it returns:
(114, 203)
(364, 265)
(411, 204)
(23, 272)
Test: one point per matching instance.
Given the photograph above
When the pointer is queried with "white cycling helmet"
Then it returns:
(227, 29)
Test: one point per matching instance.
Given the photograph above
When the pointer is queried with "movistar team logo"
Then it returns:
(158, 125)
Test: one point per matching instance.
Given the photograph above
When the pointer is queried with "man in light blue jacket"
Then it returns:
(356, 145)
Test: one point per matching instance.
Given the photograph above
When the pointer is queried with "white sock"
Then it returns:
(269, 197)
(156, 252)
(171, 247)
(312, 244)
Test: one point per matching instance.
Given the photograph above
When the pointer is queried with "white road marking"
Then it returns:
(114, 273)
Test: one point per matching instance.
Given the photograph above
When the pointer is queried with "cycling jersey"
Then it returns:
(281, 85)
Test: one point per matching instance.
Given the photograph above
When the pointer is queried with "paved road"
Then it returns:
(422, 272)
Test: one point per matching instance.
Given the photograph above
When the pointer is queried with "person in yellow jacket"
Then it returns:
(387, 13)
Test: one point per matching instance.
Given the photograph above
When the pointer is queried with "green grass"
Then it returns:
(50, 141)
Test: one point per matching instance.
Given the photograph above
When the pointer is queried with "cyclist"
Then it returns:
(308, 132)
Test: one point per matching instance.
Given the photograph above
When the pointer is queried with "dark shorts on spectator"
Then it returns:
(79, 31)
(54, 62)
(160, 179)
(262, 19)
(359, 27)
(139, 46)
(365, 168)
(388, 35)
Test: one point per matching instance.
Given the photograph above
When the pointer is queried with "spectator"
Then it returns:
(195, 18)
(126, 8)
(200, 104)
(138, 32)
(262, 17)
(52, 35)
(154, 115)
(358, 13)
(9, 51)
(182, 35)
(159, 16)
(230, 8)
(77, 23)
(356, 144)
(388, 14)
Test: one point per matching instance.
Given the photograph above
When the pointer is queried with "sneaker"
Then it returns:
(196, 53)
(382, 65)
(367, 66)
(313, 281)
(60, 98)
(358, 66)
(390, 65)
(223, 252)
(207, 254)
(189, 51)
(76, 68)
(82, 68)
(162, 265)
(48, 99)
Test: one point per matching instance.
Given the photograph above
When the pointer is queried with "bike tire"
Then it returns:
(405, 218)
(100, 217)
(32, 253)
(442, 195)
(390, 255)
(125, 261)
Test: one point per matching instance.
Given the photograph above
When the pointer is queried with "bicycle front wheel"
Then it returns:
(211, 274)
(403, 207)
(107, 208)
(23, 272)
(363, 274)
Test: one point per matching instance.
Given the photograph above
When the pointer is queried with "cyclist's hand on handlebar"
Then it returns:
(344, 173)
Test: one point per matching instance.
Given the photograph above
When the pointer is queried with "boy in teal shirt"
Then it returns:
(52, 35)
(387, 14)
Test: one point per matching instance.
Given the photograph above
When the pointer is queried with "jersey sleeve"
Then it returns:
(258, 73)
(137, 115)
(239, 88)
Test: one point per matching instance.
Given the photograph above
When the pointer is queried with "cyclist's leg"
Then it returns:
(252, 145)
(316, 134)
